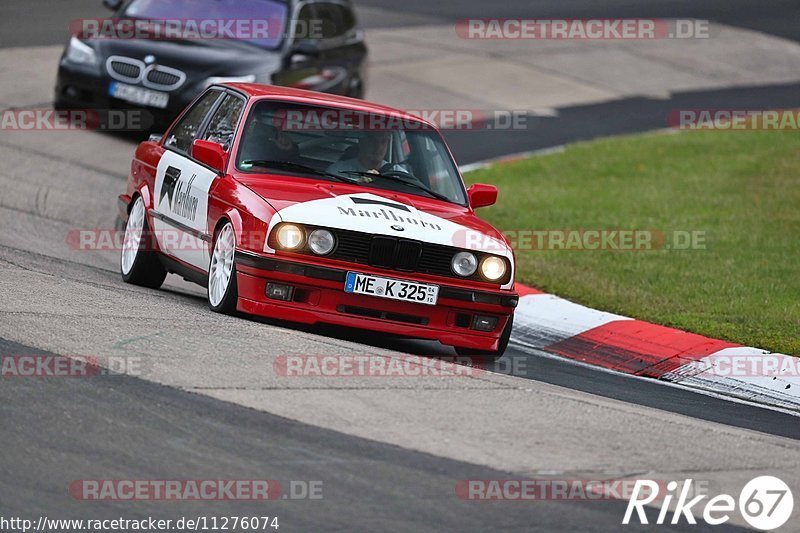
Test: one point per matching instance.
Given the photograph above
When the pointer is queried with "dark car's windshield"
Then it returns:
(375, 151)
(258, 22)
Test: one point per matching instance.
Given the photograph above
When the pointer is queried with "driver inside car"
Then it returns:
(371, 153)
(267, 142)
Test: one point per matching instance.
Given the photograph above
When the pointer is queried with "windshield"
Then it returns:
(374, 151)
(258, 22)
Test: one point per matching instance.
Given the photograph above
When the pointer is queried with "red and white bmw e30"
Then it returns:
(314, 208)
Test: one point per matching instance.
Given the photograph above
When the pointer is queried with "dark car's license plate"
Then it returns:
(138, 95)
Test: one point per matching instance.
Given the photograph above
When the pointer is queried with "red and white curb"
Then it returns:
(568, 330)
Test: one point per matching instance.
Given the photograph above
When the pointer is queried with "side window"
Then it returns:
(223, 123)
(186, 130)
(335, 19)
(304, 23)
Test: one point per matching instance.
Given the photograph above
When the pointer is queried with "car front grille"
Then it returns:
(125, 69)
(158, 77)
(393, 253)
(165, 78)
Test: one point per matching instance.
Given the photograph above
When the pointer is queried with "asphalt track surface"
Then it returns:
(777, 17)
(368, 486)
(57, 430)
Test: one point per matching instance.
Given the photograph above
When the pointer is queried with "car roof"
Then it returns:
(257, 91)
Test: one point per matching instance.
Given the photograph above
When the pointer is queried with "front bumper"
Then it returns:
(78, 88)
(319, 297)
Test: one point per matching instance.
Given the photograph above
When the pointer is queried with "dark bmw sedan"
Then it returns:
(157, 55)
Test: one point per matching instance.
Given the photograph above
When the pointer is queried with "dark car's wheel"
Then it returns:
(501, 348)
(222, 289)
(138, 262)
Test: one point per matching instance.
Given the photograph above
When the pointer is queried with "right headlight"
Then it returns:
(321, 241)
(464, 264)
(80, 52)
(493, 268)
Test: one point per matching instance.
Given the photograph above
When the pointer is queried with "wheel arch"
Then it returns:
(232, 216)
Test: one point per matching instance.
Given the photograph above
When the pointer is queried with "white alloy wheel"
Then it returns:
(221, 269)
(133, 236)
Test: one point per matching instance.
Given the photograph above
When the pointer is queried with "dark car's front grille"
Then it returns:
(166, 79)
(131, 70)
(124, 70)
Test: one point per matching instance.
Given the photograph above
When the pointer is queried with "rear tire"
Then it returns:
(493, 355)
(139, 264)
(223, 292)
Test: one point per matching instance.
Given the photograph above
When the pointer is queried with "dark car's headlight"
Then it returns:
(290, 237)
(321, 241)
(493, 268)
(80, 53)
(464, 264)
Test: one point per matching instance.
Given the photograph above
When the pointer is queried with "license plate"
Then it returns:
(394, 289)
(138, 95)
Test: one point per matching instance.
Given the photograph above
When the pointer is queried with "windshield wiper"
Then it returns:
(298, 167)
(398, 177)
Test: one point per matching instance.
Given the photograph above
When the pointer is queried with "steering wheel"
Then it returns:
(390, 170)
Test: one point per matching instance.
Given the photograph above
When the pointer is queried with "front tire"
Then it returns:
(496, 354)
(138, 263)
(222, 289)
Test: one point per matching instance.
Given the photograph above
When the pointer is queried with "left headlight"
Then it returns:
(291, 237)
(80, 52)
(493, 268)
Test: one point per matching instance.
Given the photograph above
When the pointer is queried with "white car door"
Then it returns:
(180, 195)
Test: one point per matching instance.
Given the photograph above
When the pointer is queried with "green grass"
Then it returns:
(741, 188)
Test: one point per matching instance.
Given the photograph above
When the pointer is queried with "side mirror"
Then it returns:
(210, 153)
(113, 5)
(481, 195)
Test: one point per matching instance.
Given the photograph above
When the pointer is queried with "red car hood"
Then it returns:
(376, 211)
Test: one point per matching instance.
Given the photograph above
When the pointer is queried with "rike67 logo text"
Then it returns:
(765, 502)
